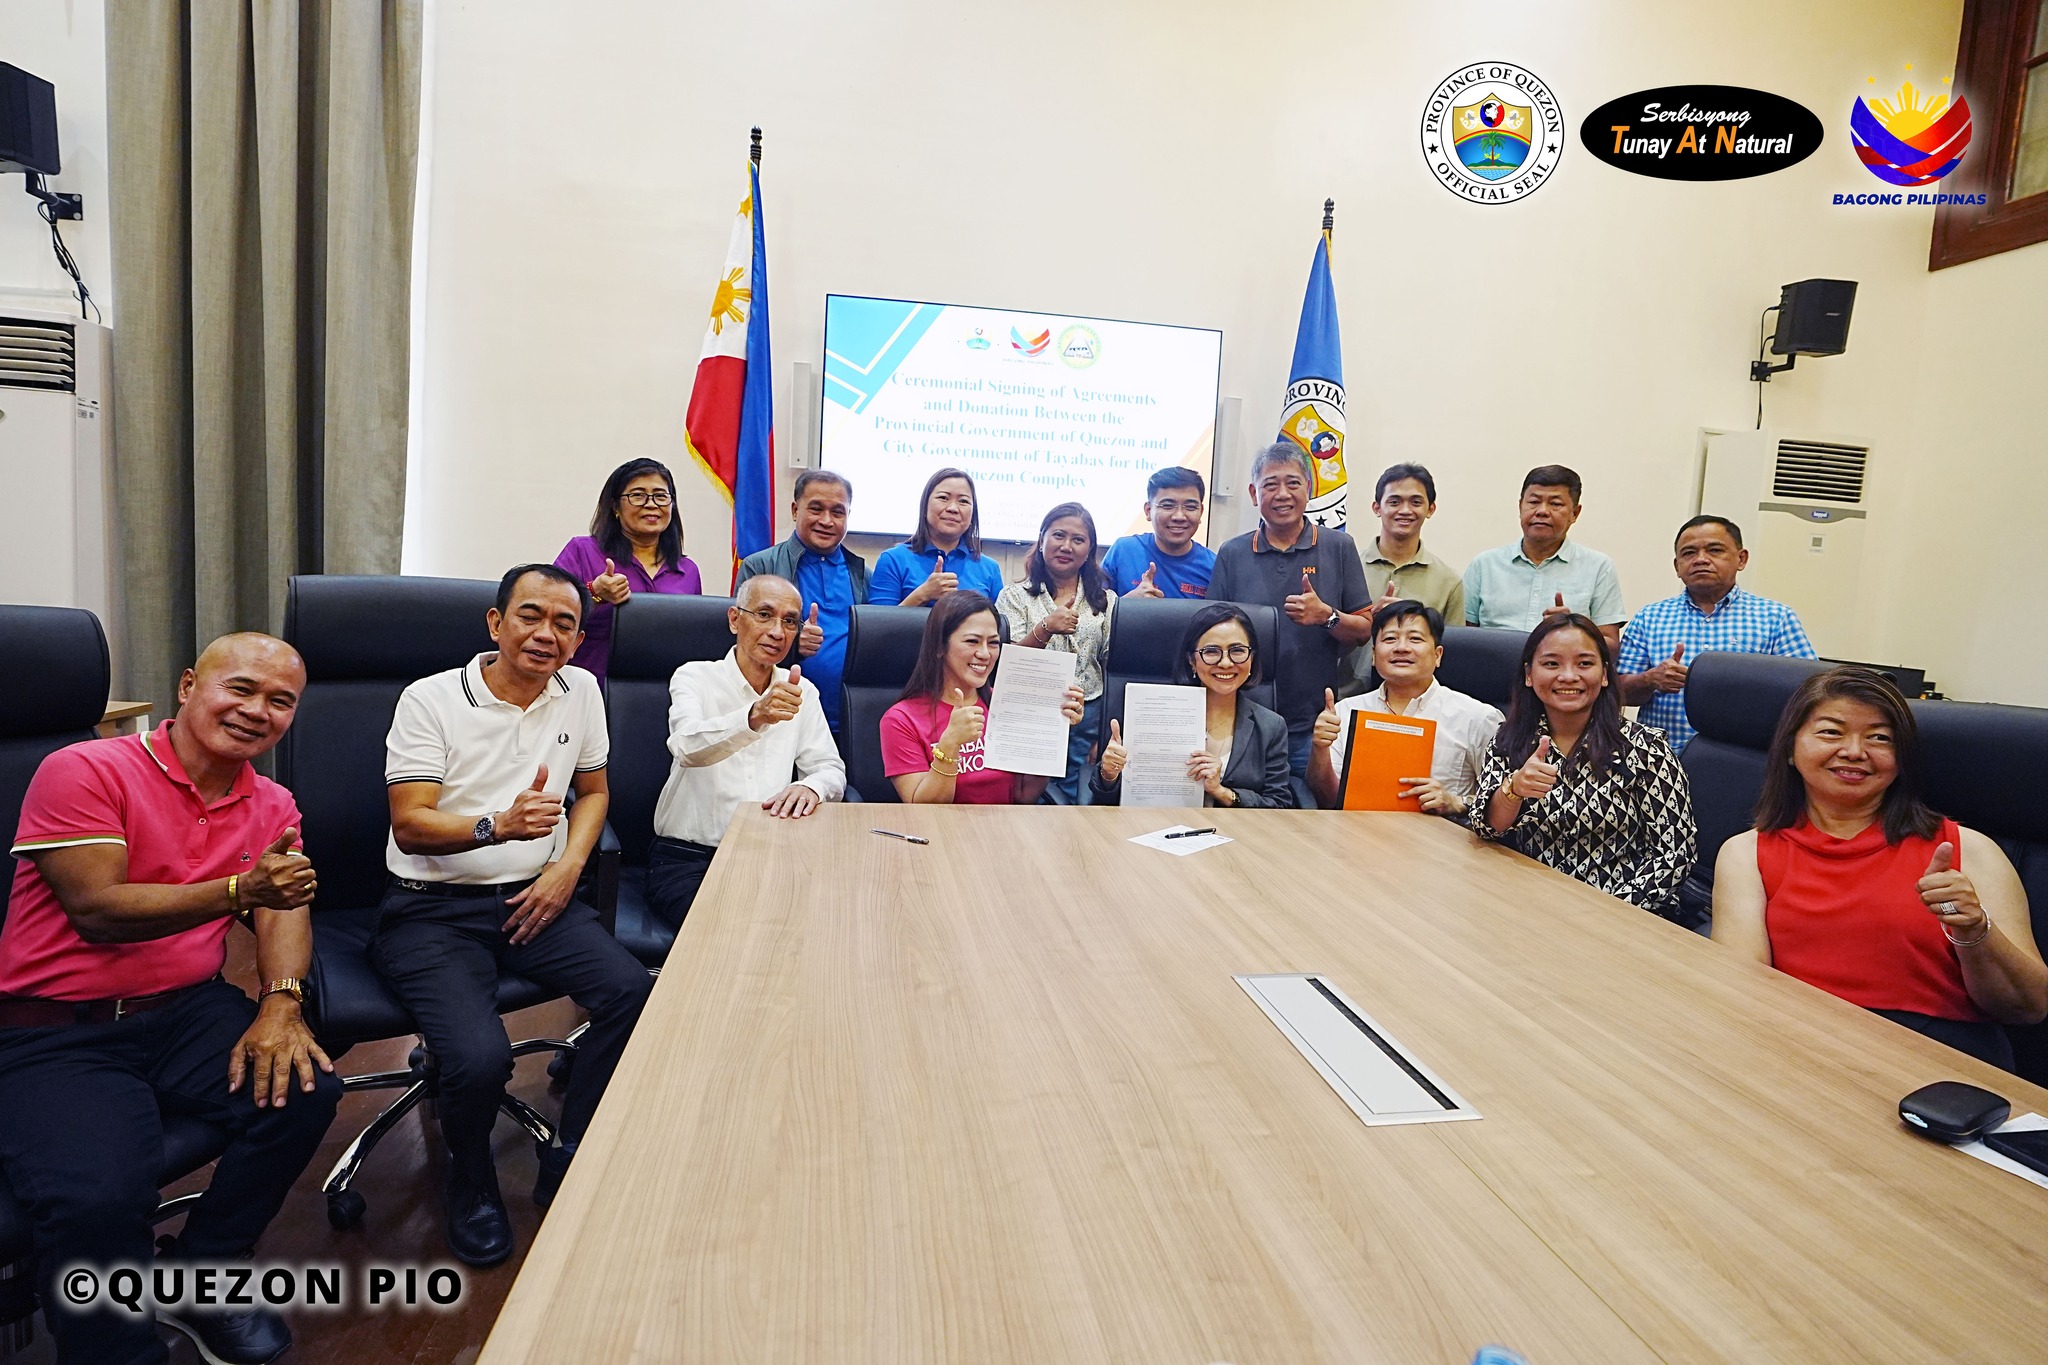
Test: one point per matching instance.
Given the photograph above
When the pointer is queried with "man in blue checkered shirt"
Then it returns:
(1712, 613)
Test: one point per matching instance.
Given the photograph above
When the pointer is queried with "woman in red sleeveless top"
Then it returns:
(1849, 883)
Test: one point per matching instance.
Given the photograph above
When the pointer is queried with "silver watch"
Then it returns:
(486, 831)
(1330, 621)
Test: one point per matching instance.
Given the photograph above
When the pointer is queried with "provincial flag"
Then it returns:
(730, 426)
(1313, 415)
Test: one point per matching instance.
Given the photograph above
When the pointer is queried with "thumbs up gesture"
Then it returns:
(963, 727)
(1669, 675)
(1557, 608)
(610, 586)
(280, 879)
(779, 703)
(1114, 756)
(1329, 724)
(935, 586)
(1148, 585)
(811, 638)
(533, 814)
(1950, 895)
(1305, 608)
(1534, 779)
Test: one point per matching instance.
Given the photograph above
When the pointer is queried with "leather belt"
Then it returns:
(463, 890)
(26, 1012)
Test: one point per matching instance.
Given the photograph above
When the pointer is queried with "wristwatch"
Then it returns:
(285, 985)
(1330, 621)
(486, 831)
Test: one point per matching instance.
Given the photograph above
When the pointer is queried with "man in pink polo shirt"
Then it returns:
(136, 854)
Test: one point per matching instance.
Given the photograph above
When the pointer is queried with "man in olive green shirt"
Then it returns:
(1397, 568)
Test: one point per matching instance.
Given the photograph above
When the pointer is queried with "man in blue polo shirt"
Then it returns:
(1663, 638)
(831, 579)
(1167, 561)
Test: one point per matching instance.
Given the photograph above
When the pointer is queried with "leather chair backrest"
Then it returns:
(1733, 702)
(652, 636)
(1144, 645)
(62, 656)
(881, 651)
(364, 639)
(1483, 662)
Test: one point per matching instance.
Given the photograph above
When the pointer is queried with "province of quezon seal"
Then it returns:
(1492, 133)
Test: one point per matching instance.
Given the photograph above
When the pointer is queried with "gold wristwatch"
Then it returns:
(286, 985)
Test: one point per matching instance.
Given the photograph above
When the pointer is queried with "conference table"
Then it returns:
(999, 1098)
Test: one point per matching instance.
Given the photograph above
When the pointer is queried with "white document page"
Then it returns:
(1176, 840)
(1026, 732)
(2025, 1123)
(1162, 725)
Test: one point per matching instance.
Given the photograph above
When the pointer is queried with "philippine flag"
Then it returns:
(730, 426)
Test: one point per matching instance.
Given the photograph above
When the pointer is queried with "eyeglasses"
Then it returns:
(643, 497)
(1213, 655)
(769, 618)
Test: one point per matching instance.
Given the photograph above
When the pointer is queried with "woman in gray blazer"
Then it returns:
(1244, 762)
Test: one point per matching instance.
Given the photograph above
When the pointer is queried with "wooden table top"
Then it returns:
(999, 1099)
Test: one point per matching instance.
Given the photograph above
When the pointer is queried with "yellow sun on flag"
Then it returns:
(726, 301)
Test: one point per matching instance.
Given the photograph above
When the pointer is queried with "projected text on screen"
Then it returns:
(1039, 408)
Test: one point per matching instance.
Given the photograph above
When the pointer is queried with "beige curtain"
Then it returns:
(261, 161)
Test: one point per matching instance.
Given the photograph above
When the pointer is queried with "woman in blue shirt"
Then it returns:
(943, 554)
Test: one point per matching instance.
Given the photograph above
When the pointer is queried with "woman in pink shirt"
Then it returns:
(932, 740)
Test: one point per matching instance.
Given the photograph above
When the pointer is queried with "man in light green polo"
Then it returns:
(1397, 568)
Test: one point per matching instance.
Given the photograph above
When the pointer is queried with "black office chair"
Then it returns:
(1733, 702)
(1983, 765)
(62, 651)
(652, 636)
(881, 649)
(1483, 662)
(364, 639)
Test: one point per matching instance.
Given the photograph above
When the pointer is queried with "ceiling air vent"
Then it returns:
(36, 355)
(1819, 471)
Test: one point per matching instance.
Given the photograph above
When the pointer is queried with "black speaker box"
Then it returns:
(1813, 317)
(28, 122)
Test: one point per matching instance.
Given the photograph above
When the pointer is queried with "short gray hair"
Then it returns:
(1288, 452)
(749, 595)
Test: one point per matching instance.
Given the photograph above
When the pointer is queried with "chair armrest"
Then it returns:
(601, 879)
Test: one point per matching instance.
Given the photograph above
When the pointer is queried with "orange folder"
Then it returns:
(1383, 749)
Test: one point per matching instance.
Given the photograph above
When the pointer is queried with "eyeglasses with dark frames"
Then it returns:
(1213, 655)
(646, 497)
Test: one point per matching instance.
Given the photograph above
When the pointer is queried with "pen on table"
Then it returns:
(1190, 833)
(906, 838)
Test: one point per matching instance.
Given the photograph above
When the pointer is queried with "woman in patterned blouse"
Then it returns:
(1063, 604)
(1574, 785)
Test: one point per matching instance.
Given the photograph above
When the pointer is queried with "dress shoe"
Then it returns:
(252, 1336)
(554, 1164)
(479, 1231)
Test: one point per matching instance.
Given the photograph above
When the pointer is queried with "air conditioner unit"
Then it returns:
(56, 443)
(1803, 505)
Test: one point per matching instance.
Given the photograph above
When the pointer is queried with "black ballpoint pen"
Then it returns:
(1190, 833)
(906, 838)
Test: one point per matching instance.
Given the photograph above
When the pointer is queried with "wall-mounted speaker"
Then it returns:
(28, 122)
(1813, 317)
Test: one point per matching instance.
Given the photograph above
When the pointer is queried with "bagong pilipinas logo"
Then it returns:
(1492, 132)
(1030, 345)
(1701, 132)
(1913, 139)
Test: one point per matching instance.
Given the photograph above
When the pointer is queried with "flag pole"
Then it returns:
(754, 152)
(1329, 211)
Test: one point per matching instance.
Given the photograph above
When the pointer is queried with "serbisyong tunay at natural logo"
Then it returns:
(1701, 132)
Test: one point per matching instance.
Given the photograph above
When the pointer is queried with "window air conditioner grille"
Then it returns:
(36, 355)
(1819, 471)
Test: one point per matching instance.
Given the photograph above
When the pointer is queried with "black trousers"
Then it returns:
(675, 869)
(81, 1140)
(442, 955)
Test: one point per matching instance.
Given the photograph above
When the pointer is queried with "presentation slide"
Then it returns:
(1039, 408)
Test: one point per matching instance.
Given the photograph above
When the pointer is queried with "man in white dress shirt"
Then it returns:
(1407, 647)
(739, 728)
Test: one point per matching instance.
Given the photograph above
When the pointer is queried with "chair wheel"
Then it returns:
(346, 1209)
(560, 1065)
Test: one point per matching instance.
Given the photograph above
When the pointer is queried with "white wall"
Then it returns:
(64, 42)
(1169, 162)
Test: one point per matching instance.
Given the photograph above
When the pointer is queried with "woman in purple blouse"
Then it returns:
(635, 545)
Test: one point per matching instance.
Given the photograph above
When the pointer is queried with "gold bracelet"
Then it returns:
(952, 768)
(235, 907)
